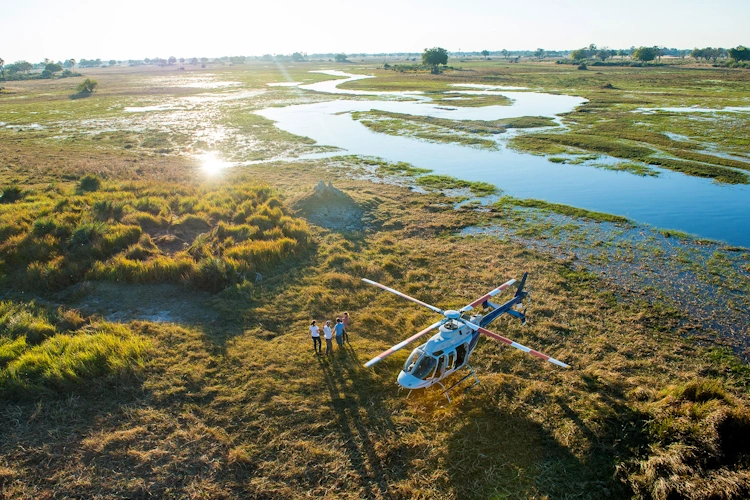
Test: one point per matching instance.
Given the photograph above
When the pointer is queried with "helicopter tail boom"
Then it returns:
(523, 348)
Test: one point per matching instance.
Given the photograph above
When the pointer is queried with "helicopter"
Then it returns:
(458, 333)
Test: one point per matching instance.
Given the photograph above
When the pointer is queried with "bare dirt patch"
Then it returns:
(153, 302)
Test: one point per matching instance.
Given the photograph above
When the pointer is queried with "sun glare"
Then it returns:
(212, 165)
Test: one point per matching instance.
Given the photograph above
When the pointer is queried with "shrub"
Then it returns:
(11, 194)
(89, 182)
(87, 86)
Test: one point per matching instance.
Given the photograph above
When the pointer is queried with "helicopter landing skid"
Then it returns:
(469, 375)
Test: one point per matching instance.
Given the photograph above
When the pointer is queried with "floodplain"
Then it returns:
(163, 254)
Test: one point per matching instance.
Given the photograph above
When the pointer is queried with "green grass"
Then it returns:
(44, 351)
(401, 168)
(561, 143)
(507, 201)
(440, 182)
(55, 241)
(630, 167)
(464, 132)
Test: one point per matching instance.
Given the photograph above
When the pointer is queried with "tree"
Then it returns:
(112, 62)
(485, 53)
(740, 53)
(204, 60)
(182, 60)
(435, 57)
(505, 53)
(172, 60)
(237, 59)
(539, 53)
(341, 58)
(193, 60)
(87, 86)
(2, 66)
(579, 54)
(645, 54)
(604, 54)
(53, 68)
(298, 57)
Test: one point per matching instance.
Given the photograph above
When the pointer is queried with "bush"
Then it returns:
(89, 182)
(87, 86)
(11, 194)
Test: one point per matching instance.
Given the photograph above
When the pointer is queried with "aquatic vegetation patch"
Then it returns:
(442, 182)
(562, 143)
(509, 201)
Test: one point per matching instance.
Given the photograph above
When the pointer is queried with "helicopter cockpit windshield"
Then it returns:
(419, 364)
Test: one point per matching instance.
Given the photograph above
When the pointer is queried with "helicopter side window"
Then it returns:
(425, 367)
(460, 355)
(411, 362)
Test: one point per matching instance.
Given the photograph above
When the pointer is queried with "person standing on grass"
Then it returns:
(328, 334)
(339, 332)
(345, 320)
(314, 330)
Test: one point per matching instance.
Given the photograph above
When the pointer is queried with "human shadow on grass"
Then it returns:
(363, 420)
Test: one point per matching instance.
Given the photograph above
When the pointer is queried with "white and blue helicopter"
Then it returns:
(458, 333)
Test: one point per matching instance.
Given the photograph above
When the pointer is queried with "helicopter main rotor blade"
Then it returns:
(400, 294)
(403, 344)
(521, 347)
(488, 296)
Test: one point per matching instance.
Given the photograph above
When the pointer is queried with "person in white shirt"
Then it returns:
(314, 331)
(328, 334)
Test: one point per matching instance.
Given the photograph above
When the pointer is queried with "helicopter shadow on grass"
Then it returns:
(503, 453)
(495, 453)
(363, 420)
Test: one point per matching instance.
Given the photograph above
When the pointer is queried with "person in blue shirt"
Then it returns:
(339, 328)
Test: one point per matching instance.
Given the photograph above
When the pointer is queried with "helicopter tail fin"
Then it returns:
(521, 285)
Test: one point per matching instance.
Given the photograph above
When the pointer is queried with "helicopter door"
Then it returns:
(451, 362)
(440, 367)
(461, 352)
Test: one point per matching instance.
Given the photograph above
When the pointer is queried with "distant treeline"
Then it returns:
(592, 55)
(22, 70)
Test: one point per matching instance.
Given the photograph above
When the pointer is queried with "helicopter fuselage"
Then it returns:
(443, 354)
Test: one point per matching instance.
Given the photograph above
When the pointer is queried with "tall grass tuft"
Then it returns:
(207, 237)
(36, 355)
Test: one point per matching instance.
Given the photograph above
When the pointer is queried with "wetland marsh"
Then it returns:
(163, 253)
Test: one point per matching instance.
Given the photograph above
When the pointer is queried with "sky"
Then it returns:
(63, 29)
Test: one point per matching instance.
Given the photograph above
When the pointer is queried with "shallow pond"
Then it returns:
(672, 200)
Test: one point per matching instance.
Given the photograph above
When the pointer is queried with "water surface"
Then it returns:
(672, 200)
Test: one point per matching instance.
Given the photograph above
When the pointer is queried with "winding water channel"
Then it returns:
(672, 200)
